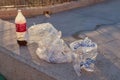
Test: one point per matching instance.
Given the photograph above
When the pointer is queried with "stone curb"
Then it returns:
(34, 11)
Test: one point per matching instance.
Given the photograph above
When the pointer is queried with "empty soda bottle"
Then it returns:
(21, 28)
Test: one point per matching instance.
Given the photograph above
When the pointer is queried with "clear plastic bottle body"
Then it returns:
(20, 36)
(21, 28)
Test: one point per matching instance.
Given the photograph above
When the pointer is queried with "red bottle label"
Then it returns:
(21, 27)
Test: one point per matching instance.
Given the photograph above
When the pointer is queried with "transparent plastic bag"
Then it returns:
(51, 47)
(85, 52)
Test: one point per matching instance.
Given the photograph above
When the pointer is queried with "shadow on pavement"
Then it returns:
(107, 69)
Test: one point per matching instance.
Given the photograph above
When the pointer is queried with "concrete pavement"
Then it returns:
(73, 24)
(81, 19)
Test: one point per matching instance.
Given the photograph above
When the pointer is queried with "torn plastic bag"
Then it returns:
(85, 52)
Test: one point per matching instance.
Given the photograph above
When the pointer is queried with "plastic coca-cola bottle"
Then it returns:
(21, 28)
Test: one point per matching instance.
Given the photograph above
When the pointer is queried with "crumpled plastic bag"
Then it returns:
(85, 52)
(51, 47)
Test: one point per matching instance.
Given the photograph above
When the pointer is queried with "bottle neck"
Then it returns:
(20, 19)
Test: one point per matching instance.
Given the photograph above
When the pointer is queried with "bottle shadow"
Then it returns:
(25, 52)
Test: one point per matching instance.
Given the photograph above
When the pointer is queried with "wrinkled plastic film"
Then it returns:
(85, 55)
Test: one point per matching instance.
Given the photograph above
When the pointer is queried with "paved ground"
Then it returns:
(72, 23)
(81, 19)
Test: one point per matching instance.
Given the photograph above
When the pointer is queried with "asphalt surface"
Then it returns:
(82, 19)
